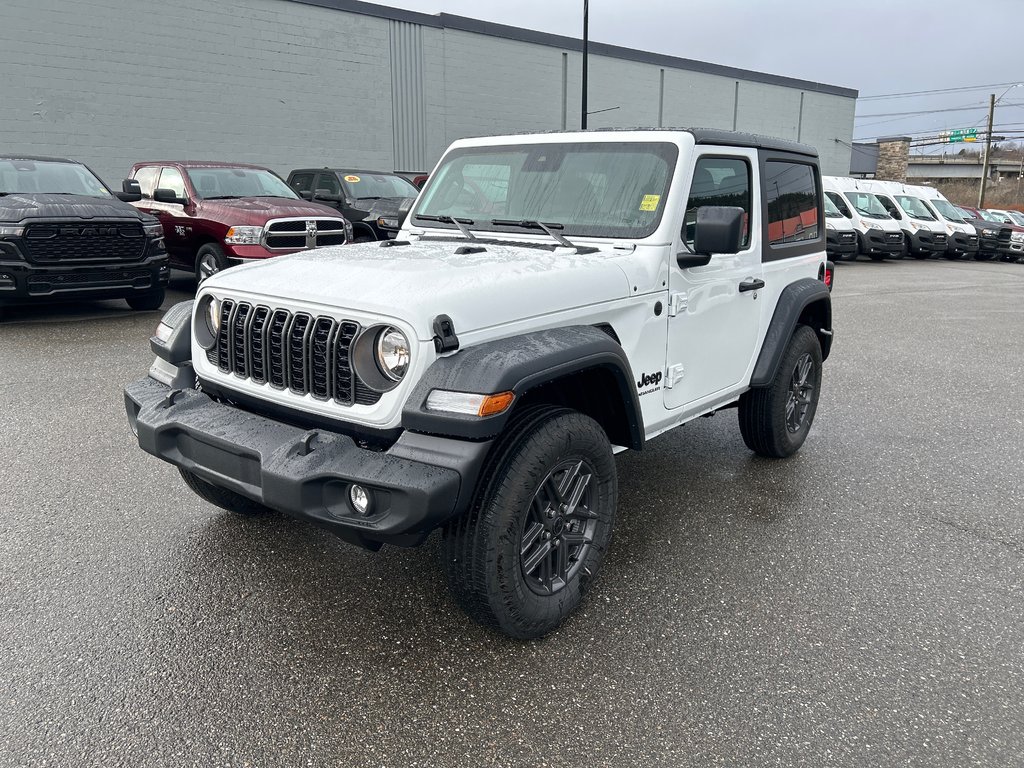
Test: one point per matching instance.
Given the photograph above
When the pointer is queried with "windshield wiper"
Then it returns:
(460, 223)
(532, 224)
(223, 197)
(371, 197)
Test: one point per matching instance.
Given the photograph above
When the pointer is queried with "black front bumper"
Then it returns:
(22, 282)
(416, 485)
(839, 244)
(924, 242)
(879, 241)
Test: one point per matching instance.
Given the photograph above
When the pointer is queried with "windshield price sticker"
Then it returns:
(352, 179)
(650, 202)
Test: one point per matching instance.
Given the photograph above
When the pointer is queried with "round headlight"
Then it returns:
(393, 353)
(213, 316)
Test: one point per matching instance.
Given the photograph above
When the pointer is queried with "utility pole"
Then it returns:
(586, 27)
(988, 148)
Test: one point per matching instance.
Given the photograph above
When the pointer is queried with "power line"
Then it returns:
(934, 90)
(932, 132)
(937, 111)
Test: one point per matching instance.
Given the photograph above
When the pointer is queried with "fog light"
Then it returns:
(359, 498)
(7, 282)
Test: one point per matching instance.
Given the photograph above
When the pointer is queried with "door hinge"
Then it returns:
(674, 376)
(676, 304)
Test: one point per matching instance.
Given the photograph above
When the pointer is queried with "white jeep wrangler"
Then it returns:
(551, 299)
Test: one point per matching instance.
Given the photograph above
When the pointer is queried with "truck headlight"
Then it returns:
(392, 353)
(387, 223)
(1017, 237)
(12, 231)
(156, 229)
(244, 235)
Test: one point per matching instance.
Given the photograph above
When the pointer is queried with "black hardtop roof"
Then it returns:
(39, 159)
(712, 136)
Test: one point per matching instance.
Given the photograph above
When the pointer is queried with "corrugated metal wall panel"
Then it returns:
(408, 105)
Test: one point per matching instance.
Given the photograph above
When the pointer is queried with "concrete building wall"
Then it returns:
(323, 82)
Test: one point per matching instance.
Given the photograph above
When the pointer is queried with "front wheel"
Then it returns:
(147, 302)
(775, 420)
(521, 560)
(209, 261)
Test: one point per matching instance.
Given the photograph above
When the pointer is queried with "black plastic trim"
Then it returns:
(178, 347)
(519, 364)
(795, 298)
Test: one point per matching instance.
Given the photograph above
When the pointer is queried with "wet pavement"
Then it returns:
(859, 604)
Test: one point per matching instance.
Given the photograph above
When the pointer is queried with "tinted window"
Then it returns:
(718, 181)
(147, 180)
(328, 182)
(170, 178)
(302, 182)
(792, 197)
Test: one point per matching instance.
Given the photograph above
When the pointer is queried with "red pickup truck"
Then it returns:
(216, 215)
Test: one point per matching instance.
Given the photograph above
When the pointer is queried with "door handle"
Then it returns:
(751, 285)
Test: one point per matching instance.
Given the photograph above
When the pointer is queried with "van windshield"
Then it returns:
(914, 208)
(947, 210)
(830, 209)
(45, 177)
(867, 204)
(597, 189)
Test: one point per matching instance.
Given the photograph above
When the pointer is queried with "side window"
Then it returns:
(718, 181)
(170, 178)
(328, 182)
(302, 182)
(792, 209)
(839, 203)
(147, 180)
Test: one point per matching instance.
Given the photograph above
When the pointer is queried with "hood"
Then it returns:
(259, 210)
(417, 282)
(17, 207)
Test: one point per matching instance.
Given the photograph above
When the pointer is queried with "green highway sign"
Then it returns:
(960, 134)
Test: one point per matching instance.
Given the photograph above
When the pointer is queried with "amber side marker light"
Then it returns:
(469, 403)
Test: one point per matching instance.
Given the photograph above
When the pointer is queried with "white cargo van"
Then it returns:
(962, 239)
(879, 235)
(923, 235)
(840, 234)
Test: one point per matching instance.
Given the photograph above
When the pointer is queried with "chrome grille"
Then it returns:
(302, 233)
(297, 352)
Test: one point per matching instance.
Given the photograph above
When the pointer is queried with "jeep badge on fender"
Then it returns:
(478, 373)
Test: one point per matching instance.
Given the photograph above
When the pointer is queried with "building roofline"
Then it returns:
(467, 24)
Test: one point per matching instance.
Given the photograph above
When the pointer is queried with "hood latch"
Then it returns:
(445, 339)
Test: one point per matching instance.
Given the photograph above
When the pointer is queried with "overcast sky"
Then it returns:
(872, 46)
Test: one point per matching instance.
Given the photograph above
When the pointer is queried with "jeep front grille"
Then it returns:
(54, 242)
(301, 233)
(297, 352)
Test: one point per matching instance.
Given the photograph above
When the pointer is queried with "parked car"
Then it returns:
(963, 240)
(879, 236)
(1010, 217)
(1008, 243)
(375, 202)
(418, 178)
(923, 236)
(64, 235)
(478, 374)
(216, 215)
(840, 235)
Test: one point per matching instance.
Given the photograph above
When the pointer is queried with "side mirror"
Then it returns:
(130, 192)
(169, 196)
(719, 229)
(327, 196)
(305, 194)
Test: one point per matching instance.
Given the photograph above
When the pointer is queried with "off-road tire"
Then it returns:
(210, 255)
(147, 302)
(763, 411)
(485, 552)
(222, 497)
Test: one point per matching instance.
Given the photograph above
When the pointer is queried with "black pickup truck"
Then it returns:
(64, 235)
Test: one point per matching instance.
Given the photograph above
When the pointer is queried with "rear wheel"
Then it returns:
(209, 261)
(775, 420)
(147, 302)
(222, 497)
(521, 560)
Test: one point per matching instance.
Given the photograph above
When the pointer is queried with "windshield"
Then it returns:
(914, 208)
(987, 216)
(947, 210)
(213, 183)
(597, 189)
(45, 177)
(1016, 217)
(830, 209)
(840, 204)
(361, 185)
(867, 204)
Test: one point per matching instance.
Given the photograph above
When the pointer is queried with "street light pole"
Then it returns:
(586, 25)
(988, 147)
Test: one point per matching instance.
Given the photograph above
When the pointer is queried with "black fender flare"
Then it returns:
(795, 298)
(519, 364)
(177, 347)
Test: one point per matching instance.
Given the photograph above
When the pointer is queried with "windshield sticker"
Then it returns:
(352, 179)
(650, 202)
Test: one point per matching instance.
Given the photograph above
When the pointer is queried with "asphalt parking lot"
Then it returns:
(860, 604)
